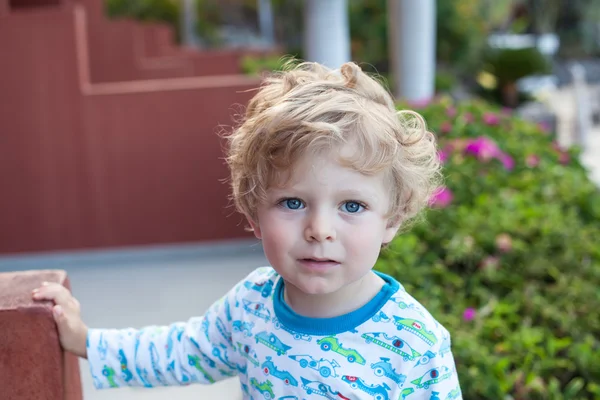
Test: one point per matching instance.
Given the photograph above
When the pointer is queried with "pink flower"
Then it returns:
(490, 262)
(491, 119)
(420, 103)
(443, 156)
(564, 158)
(504, 242)
(441, 198)
(483, 148)
(446, 127)
(507, 161)
(469, 314)
(532, 160)
(544, 127)
(468, 117)
(451, 111)
(556, 146)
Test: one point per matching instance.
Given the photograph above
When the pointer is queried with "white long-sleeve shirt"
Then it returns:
(391, 348)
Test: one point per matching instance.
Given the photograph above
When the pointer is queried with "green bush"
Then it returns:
(258, 65)
(165, 11)
(507, 258)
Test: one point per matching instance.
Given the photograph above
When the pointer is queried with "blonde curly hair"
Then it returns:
(308, 107)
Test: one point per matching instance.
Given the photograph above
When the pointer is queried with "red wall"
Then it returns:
(86, 165)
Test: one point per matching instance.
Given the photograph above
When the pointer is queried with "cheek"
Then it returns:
(277, 234)
(365, 239)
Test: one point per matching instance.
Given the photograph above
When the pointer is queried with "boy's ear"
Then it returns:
(391, 230)
(255, 228)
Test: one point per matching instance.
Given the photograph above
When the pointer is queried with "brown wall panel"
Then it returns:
(85, 165)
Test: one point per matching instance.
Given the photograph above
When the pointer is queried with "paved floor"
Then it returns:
(147, 287)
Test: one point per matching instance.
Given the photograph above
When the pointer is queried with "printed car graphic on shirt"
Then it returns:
(270, 369)
(227, 311)
(393, 344)
(417, 328)
(127, 375)
(102, 347)
(110, 373)
(194, 361)
(223, 331)
(321, 389)
(248, 352)
(381, 317)
(379, 392)
(221, 354)
(272, 341)
(385, 368)
(405, 393)
(264, 287)
(155, 362)
(333, 344)
(444, 347)
(244, 327)
(176, 331)
(295, 335)
(425, 358)
(407, 306)
(454, 394)
(325, 367)
(265, 388)
(257, 309)
(432, 376)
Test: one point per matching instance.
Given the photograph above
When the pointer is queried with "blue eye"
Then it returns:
(292, 204)
(352, 207)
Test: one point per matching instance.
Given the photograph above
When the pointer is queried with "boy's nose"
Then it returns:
(319, 228)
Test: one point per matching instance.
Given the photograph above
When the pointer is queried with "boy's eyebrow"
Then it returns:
(347, 193)
(357, 193)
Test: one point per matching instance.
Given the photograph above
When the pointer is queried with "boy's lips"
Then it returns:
(318, 262)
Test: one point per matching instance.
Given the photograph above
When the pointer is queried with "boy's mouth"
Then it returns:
(315, 259)
(317, 262)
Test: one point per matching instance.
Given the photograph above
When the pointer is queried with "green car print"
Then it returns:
(417, 328)
(454, 394)
(405, 393)
(264, 388)
(194, 361)
(109, 373)
(331, 343)
(432, 377)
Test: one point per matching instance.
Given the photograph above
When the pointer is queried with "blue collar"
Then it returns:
(331, 326)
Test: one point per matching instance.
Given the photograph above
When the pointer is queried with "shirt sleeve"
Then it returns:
(197, 351)
(434, 375)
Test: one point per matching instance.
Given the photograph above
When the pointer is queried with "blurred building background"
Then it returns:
(111, 164)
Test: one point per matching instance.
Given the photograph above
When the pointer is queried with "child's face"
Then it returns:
(325, 228)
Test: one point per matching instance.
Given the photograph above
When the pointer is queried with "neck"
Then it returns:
(347, 299)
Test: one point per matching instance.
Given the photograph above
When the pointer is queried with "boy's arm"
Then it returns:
(436, 378)
(199, 350)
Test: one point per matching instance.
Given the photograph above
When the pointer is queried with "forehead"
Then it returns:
(330, 168)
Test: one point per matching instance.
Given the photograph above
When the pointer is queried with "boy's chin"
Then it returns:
(319, 288)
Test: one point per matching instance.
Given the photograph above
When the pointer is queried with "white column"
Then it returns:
(326, 32)
(412, 31)
(265, 20)
(188, 23)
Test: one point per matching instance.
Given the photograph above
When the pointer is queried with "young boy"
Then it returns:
(326, 171)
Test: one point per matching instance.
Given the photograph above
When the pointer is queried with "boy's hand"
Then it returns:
(71, 329)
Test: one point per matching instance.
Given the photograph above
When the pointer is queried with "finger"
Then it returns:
(53, 291)
(60, 317)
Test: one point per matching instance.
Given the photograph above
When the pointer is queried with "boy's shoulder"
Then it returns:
(405, 314)
(258, 285)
